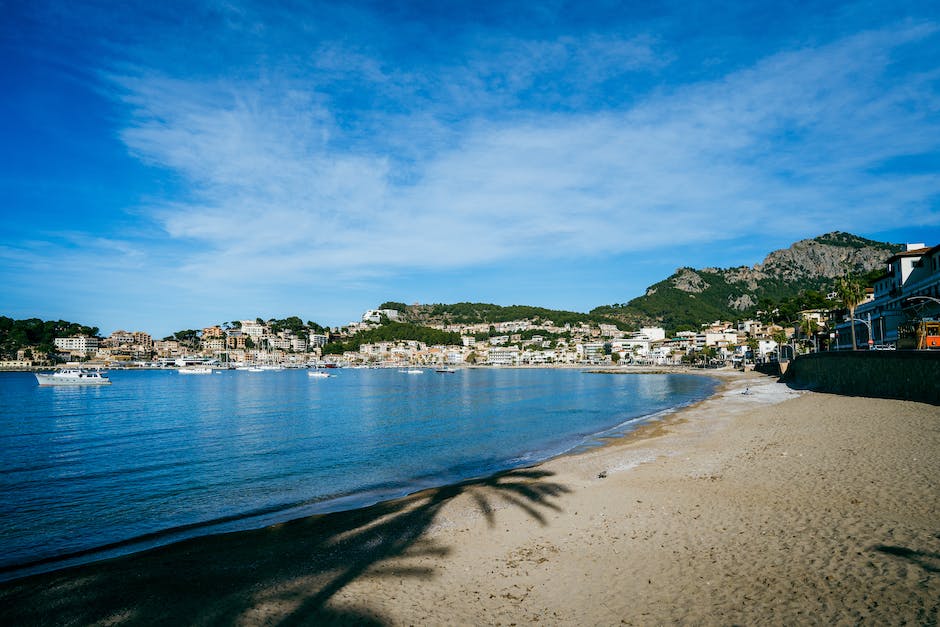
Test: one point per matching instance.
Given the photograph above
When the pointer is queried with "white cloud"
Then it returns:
(280, 184)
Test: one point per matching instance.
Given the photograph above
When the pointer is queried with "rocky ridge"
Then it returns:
(693, 296)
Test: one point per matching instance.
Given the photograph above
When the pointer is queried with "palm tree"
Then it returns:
(851, 292)
(810, 328)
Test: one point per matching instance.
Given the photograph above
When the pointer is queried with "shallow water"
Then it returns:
(87, 473)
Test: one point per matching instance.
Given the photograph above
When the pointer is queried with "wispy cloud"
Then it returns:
(340, 145)
(276, 181)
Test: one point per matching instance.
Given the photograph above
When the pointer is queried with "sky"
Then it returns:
(174, 165)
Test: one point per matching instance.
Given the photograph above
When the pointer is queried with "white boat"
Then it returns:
(195, 370)
(446, 370)
(319, 374)
(72, 376)
(414, 371)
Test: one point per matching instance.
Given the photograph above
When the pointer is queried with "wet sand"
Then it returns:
(771, 507)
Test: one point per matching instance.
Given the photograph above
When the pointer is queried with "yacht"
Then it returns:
(72, 376)
(320, 374)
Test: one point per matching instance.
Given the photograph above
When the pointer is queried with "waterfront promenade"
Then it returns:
(759, 505)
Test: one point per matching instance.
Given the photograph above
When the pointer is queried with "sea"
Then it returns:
(88, 473)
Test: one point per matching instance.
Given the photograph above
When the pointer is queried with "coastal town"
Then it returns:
(899, 311)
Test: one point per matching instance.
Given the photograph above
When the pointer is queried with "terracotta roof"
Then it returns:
(917, 252)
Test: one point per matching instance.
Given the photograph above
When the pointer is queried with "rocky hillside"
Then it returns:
(691, 297)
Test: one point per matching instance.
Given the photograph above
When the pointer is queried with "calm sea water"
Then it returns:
(87, 473)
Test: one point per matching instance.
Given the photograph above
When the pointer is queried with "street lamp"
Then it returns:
(871, 338)
(930, 298)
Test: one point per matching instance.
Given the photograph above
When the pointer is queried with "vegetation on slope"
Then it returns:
(488, 313)
(799, 275)
(17, 334)
(393, 331)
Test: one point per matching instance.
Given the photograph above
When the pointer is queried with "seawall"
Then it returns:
(909, 375)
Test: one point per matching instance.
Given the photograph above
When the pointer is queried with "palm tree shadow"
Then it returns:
(930, 562)
(284, 574)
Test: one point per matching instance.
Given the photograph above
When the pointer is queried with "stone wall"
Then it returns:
(911, 375)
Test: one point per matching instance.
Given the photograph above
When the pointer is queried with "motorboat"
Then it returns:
(319, 374)
(446, 370)
(72, 376)
(195, 370)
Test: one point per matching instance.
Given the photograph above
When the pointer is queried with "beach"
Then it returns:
(760, 505)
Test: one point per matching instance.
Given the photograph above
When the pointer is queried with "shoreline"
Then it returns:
(740, 508)
(158, 539)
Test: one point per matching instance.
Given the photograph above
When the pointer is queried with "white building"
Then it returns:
(907, 288)
(253, 329)
(591, 351)
(652, 333)
(279, 343)
(375, 315)
(80, 344)
(503, 356)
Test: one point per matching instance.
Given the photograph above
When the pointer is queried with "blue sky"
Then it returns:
(178, 164)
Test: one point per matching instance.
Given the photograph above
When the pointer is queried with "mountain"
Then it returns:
(804, 272)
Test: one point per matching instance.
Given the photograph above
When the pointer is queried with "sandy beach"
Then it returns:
(766, 507)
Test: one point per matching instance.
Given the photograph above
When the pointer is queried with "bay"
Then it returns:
(88, 473)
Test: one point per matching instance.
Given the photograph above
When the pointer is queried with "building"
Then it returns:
(503, 356)
(318, 340)
(909, 289)
(167, 348)
(254, 329)
(214, 344)
(78, 345)
(592, 352)
(212, 332)
(375, 315)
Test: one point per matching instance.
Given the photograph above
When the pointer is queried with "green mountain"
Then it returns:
(798, 277)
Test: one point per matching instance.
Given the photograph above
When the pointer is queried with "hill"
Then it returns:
(487, 313)
(17, 334)
(800, 274)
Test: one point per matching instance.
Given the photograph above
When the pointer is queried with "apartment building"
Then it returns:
(909, 288)
(503, 356)
(254, 329)
(78, 345)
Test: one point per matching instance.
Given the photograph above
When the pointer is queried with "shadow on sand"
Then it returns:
(930, 562)
(284, 574)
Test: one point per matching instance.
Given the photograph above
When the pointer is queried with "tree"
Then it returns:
(810, 328)
(851, 292)
(753, 345)
(780, 337)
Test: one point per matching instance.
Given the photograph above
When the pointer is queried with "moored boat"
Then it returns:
(72, 376)
(195, 370)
